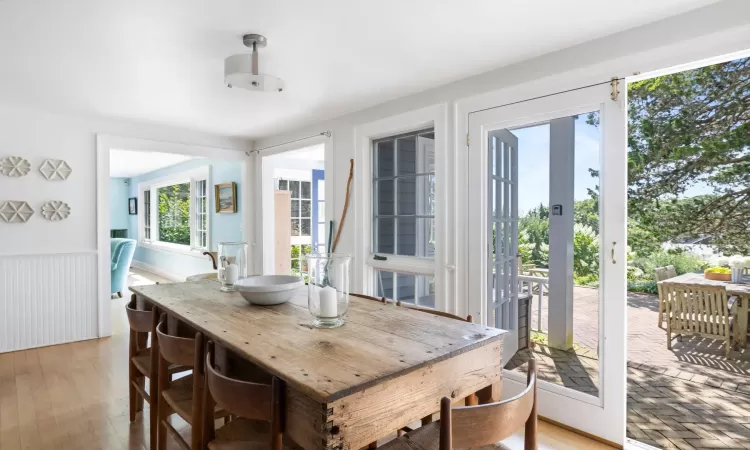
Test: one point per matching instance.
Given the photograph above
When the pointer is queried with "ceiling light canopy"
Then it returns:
(242, 70)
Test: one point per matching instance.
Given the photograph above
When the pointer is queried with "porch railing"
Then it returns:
(536, 287)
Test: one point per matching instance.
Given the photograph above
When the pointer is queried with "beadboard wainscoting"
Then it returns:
(47, 300)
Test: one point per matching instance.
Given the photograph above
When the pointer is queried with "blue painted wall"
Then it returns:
(118, 201)
(223, 227)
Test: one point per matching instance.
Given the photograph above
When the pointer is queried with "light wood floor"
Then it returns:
(75, 396)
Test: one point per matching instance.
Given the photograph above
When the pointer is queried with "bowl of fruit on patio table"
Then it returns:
(718, 274)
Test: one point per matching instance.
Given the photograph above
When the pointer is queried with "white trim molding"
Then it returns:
(435, 116)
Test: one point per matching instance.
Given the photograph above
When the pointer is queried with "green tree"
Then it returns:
(533, 236)
(586, 212)
(174, 214)
(684, 129)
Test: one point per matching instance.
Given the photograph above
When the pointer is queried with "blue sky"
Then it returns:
(533, 165)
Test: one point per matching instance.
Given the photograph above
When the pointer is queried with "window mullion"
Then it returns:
(395, 197)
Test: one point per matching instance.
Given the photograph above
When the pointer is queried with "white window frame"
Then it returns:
(365, 266)
(188, 176)
(300, 239)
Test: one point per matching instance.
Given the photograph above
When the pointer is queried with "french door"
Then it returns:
(547, 259)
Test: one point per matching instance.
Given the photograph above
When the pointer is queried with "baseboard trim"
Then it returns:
(582, 433)
(162, 273)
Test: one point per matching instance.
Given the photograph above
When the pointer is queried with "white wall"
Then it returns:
(36, 135)
(720, 28)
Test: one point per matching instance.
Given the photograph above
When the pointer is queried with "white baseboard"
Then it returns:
(162, 273)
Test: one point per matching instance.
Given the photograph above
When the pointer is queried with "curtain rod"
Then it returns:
(324, 133)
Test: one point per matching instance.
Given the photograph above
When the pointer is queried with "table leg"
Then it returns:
(742, 310)
(490, 394)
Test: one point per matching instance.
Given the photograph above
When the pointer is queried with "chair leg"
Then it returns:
(164, 409)
(139, 400)
(669, 338)
(133, 395)
(162, 434)
(131, 375)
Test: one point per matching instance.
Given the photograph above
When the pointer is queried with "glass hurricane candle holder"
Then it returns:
(232, 262)
(328, 288)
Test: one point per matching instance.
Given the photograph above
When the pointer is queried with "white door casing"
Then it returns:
(556, 402)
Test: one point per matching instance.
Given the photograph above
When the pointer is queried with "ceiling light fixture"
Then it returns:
(242, 70)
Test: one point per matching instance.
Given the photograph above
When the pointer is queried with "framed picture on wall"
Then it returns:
(226, 197)
(133, 206)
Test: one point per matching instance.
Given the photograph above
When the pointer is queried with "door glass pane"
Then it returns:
(556, 226)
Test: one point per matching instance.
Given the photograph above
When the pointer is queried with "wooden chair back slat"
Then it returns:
(241, 398)
(665, 273)
(697, 309)
(435, 312)
(476, 426)
(139, 320)
(176, 350)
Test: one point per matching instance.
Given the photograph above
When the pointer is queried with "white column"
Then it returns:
(561, 179)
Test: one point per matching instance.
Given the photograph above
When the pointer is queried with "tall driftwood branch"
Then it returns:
(346, 206)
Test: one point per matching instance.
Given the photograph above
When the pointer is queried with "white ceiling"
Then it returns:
(161, 61)
(131, 163)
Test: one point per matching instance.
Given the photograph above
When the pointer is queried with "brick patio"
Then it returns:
(691, 397)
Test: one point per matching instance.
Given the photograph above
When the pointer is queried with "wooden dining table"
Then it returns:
(739, 290)
(346, 387)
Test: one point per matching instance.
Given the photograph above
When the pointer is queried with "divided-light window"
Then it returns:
(403, 217)
(403, 206)
(175, 211)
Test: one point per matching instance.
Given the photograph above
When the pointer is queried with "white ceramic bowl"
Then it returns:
(269, 289)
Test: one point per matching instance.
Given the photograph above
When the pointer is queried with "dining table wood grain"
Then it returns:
(346, 387)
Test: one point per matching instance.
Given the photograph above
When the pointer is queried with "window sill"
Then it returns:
(404, 264)
(173, 248)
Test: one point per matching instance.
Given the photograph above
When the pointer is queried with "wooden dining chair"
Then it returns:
(477, 426)
(661, 274)
(257, 410)
(142, 323)
(699, 310)
(183, 396)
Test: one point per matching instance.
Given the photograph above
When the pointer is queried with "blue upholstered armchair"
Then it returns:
(122, 255)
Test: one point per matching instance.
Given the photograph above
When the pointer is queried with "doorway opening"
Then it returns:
(689, 212)
(160, 207)
(293, 188)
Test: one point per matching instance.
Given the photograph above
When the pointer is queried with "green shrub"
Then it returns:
(585, 252)
(682, 261)
(646, 287)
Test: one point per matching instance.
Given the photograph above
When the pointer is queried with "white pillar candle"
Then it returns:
(232, 273)
(328, 302)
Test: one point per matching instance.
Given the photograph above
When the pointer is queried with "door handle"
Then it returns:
(613, 252)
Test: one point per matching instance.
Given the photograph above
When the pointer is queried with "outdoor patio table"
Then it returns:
(741, 291)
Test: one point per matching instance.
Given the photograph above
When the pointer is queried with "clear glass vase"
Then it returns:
(328, 288)
(232, 262)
